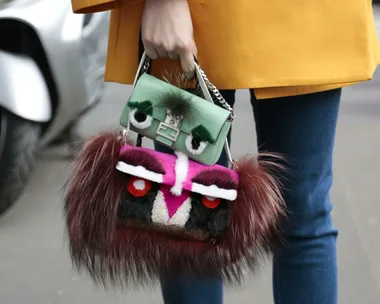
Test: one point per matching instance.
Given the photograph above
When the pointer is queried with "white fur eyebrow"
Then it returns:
(139, 171)
(214, 191)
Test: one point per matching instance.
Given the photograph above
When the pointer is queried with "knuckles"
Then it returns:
(173, 45)
(147, 40)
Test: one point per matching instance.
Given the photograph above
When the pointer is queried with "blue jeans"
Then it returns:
(305, 269)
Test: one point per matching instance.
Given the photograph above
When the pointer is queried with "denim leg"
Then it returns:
(302, 128)
(200, 290)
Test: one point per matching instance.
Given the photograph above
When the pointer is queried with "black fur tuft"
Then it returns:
(179, 104)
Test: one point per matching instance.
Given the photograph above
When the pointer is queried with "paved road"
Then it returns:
(34, 264)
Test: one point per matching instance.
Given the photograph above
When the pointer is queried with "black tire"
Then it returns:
(18, 141)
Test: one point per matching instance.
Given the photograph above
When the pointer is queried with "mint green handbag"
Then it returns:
(178, 119)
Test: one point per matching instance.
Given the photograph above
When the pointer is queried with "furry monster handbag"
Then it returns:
(134, 215)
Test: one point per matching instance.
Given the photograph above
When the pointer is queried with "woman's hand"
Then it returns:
(167, 31)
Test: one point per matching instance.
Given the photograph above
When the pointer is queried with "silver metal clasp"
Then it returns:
(168, 131)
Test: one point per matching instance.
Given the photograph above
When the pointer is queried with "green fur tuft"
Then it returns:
(202, 134)
(145, 107)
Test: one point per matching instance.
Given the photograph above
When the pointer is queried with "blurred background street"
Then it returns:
(34, 260)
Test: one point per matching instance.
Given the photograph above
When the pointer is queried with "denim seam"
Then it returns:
(275, 289)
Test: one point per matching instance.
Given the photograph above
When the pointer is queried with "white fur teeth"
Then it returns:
(160, 213)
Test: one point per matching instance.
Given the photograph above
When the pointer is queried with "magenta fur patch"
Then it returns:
(173, 202)
(216, 180)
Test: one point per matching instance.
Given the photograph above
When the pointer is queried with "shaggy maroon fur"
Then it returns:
(144, 159)
(92, 196)
(115, 254)
(211, 177)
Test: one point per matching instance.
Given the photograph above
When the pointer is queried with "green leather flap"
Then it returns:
(149, 97)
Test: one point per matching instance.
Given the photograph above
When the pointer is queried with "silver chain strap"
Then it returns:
(145, 67)
(208, 83)
(217, 94)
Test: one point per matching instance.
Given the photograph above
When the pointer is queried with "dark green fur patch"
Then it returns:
(200, 133)
(145, 107)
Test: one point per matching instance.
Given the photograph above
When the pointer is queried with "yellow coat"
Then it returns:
(277, 47)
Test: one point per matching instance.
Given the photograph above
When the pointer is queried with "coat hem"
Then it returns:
(281, 88)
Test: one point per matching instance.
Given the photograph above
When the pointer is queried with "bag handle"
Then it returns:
(206, 87)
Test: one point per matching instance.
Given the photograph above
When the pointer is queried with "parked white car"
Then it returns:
(51, 72)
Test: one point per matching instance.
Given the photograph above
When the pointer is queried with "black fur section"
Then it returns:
(137, 208)
(213, 222)
(195, 143)
(140, 117)
(179, 104)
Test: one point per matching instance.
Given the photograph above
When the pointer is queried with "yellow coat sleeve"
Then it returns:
(92, 6)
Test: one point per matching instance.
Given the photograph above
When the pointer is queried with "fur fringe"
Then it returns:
(126, 256)
(92, 196)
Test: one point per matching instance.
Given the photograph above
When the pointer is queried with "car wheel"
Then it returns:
(18, 141)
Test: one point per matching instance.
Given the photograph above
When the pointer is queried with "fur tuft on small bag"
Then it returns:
(127, 229)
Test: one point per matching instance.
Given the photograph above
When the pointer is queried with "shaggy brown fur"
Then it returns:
(119, 255)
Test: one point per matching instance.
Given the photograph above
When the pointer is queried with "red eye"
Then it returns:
(210, 202)
(138, 187)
